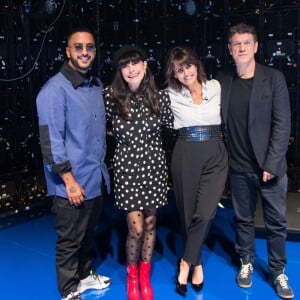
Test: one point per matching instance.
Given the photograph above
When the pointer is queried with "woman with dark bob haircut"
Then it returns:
(199, 160)
(137, 110)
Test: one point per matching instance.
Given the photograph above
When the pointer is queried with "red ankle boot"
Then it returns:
(145, 285)
(133, 292)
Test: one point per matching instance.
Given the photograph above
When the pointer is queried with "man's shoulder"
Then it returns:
(56, 79)
(267, 69)
(226, 72)
(269, 74)
(224, 76)
(54, 85)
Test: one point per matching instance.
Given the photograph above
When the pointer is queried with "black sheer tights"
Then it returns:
(141, 235)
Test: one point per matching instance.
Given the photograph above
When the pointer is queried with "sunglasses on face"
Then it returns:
(78, 47)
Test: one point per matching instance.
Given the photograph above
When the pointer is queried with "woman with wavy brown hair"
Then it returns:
(199, 159)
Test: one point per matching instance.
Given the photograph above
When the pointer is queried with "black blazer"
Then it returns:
(269, 119)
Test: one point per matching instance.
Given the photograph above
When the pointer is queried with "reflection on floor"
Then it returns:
(28, 270)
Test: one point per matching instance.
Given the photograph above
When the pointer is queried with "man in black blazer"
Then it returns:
(256, 118)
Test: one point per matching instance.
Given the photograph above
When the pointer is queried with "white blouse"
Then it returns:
(187, 114)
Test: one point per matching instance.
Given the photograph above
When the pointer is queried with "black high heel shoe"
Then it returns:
(181, 288)
(197, 287)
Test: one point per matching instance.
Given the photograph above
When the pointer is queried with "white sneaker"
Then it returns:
(93, 281)
(72, 296)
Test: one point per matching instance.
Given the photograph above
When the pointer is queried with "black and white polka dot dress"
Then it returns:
(140, 171)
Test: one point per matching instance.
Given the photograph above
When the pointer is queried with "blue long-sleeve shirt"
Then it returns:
(73, 132)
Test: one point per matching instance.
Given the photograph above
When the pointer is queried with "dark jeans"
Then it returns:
(244, 190)
(75, 228)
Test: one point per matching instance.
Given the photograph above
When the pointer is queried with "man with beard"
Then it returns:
(73, 142)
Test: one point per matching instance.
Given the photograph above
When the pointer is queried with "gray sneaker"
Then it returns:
(244, 277)
(282, 287)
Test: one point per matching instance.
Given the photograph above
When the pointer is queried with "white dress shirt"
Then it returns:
(187, 114)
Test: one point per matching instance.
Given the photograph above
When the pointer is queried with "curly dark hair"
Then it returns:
(122, 94)
(183, 56)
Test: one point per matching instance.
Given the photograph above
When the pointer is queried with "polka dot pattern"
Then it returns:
(140, 171)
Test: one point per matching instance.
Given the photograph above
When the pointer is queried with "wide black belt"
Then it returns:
(200, 133)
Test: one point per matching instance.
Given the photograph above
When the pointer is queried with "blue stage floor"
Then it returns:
(27, 259)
